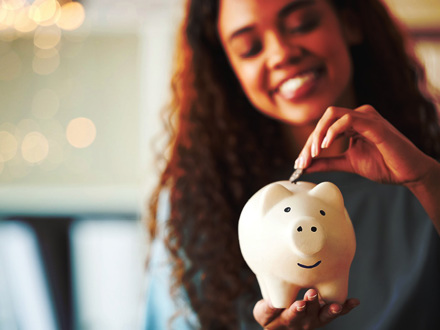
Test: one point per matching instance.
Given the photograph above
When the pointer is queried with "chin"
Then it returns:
(302, 117)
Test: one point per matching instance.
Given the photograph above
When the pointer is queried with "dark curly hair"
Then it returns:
(221, 149)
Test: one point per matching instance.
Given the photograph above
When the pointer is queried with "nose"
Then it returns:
(308, 237)
(280, 52)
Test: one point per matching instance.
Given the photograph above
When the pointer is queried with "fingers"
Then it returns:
(320, 139)
(337, 163)
(312, 308)
(302, 313)
(336, 122)
(264, 313)
(308, 313)
(331, 311)
(349, 305)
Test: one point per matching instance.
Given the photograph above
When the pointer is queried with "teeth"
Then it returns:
(293, 84)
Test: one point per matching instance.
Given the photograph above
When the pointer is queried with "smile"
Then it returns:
(300, 85)
(312, 266)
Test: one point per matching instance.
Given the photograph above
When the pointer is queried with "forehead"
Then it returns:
(234, 14)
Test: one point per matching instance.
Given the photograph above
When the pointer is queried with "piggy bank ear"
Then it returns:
(329, 193)
(272, 195)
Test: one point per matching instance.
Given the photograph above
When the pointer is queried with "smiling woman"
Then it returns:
(332, 84)
(291, 58)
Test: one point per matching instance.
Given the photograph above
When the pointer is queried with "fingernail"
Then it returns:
(299, 163)
(313, 297)
(325, 143)
(300, 308)
(314, 150)
(336, 310)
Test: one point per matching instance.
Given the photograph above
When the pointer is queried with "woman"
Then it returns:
(259, 82)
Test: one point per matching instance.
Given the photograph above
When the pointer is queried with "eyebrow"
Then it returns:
(295, 5)
(286, 10)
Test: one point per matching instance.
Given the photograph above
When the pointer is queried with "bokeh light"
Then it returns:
(7, 18)
(72, 16)
(81, 132)
(47, 37)
(34, 147)
(23, 22)
(12, 4)
(45, 104)
(45, 12)
(8, 146)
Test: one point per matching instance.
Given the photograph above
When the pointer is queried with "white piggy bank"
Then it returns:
(298, 235)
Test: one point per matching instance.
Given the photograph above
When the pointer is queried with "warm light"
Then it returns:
(428, 52)
(10, 66)
(12, 4)
(45, 104)
(34, 147)
(7, 18)
(45, 12)
(46, 53)
(23, 23)
(8, 146)
(43, 64)
(47, 37)
(72, 16)
(81, 132)
(3, 17)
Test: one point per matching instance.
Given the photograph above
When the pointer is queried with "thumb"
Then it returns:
(327, 164)
(264, 313)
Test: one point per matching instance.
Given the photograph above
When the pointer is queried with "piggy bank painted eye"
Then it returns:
(322, 212)
(287, 209)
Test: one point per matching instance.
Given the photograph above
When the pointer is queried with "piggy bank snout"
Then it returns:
(308, 236)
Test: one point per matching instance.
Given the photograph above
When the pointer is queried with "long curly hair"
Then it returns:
(221, 150)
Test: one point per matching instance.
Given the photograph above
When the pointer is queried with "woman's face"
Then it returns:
(290, 56)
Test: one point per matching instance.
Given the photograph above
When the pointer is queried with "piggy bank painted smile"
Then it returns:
(296, 236)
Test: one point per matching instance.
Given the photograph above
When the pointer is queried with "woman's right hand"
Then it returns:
(309, 313)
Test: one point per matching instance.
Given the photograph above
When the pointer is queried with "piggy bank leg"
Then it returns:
(263, 289)
(334, 291)
(280, 293)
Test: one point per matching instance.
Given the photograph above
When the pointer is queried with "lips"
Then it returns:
(312, 266)
(299, 84)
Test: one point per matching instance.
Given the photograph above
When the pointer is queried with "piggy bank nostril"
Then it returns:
(314, 229)
(299, 229)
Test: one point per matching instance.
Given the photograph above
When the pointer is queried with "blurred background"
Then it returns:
(81, 87)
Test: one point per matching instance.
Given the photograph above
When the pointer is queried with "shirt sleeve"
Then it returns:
(161, 309)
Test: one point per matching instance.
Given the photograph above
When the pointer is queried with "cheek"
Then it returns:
(251, 79)
(336, 53)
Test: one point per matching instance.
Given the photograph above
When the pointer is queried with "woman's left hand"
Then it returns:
(377, 151)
